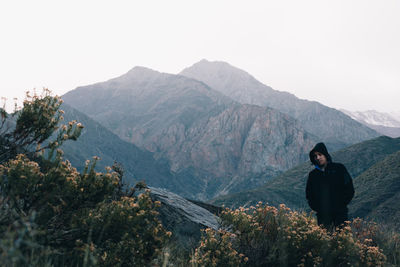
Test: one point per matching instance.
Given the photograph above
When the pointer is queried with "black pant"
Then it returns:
(332, 219)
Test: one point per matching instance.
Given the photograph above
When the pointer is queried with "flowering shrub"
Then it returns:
(69, 205)
(216, 250)
(53, 215)
(267, 236)
(126, 232)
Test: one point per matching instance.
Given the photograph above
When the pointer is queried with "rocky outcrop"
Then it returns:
(182, 217)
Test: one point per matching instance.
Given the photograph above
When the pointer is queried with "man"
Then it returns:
(329, 188)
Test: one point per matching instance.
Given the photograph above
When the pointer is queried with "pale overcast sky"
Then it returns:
(342, 53)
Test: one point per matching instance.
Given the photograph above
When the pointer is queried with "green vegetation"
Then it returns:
(266, 236)
(378, 192)
(53, 215)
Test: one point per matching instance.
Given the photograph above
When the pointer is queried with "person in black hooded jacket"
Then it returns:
(329, 188)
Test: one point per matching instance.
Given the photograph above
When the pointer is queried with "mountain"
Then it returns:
(289, 187)
(217, 143)
(388, 131)
(139, 105)
(395, 114)
(138, 164)
(373, 117)
(332, 126)
(384, 123)
(378, 192)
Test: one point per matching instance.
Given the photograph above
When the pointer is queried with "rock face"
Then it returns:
(184, 218)
(219, 145)
(332, 126)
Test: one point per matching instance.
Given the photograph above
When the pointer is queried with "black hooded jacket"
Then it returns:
(331, 190)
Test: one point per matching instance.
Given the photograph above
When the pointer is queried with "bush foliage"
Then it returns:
(53, 215)
(267, 236)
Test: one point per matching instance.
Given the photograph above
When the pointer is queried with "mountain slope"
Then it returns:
(378, 192)
(215, 141)
(289, 187)
(96, 140)
(137, 106)
(335, 128)
(388, 131)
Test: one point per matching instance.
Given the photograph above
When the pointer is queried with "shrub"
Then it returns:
(126, 232)
(267, 236)
(216, 250)
(53, 215)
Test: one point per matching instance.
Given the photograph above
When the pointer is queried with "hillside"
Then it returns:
(378, 192)
(213, 141)
(289, 187)
(139, 165)
(334, 127)
(388, 131)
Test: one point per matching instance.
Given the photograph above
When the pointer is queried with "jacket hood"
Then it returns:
(321, 148)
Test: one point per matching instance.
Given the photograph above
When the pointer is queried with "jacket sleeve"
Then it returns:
(348, 187)
(309, 195)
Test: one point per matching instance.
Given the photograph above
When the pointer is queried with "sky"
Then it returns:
(341, 53)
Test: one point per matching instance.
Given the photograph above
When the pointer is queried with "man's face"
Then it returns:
(320, 159)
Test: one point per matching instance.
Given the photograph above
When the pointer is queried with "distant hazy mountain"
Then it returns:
(216, 142)
(395, 114)
(388, 131)
(373, 117)
(384, 123)
(289, 187)
(332, 126)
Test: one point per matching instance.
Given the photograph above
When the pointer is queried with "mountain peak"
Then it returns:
(138, 74)
(139, 70)
(205, 65)
(219, 75)
(215, 62)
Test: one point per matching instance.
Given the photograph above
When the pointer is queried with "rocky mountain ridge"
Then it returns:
(334, 127)
(374, 117)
